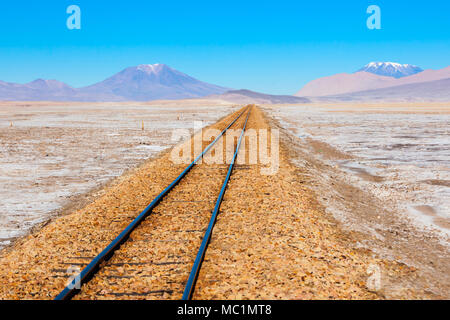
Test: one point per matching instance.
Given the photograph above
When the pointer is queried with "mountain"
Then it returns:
(50, 85)
(150, 82)
(140, 83)
(391, 69)
(345, 83)
(36, 90)
(437, 90)
(246, 97)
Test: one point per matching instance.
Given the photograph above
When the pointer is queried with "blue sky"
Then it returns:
(267, 46)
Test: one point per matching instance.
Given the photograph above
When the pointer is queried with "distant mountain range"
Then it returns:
(37, 90)
(375, 81)
(246, 96)
(365, 82)
(140, 83)
(391, 69)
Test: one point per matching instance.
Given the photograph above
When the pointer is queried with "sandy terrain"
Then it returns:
(52, 154)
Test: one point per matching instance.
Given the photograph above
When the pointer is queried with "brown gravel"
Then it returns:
(155, 262)
(35, 267)
(272, 240)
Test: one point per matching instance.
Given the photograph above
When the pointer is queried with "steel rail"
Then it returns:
(190, 284)
(89, 271)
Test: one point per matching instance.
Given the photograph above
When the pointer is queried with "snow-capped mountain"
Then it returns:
(347, 83)
(391, 69)
(152, 82)
(140, 83)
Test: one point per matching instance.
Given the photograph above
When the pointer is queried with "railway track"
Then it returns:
(162, 256)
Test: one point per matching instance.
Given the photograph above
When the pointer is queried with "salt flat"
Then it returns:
(382, 171)
(52, 154)
(400, 153)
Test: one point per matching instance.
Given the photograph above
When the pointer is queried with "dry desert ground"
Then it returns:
(361, 188)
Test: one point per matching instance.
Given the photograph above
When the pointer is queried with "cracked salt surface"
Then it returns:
(53, 153)
(400, 157)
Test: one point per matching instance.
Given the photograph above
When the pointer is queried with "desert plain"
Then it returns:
(375, 178)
